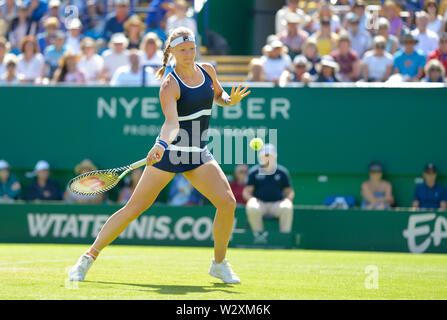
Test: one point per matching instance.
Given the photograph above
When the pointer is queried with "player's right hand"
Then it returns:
(154, 155)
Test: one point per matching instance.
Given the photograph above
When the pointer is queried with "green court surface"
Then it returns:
(31, 271)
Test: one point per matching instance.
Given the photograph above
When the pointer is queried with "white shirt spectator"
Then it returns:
(360, 42)
(31, 69)
(156, 59)
(274, 67)
(2, 67)
(113, 61)
(428, 41)
(125, 77)
(91, 67)
(4, 82)
(174, 22)
(280, 18)
(435, 26)
(377, 65)
(73, 44)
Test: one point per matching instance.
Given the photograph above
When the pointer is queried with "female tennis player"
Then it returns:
(186, 96)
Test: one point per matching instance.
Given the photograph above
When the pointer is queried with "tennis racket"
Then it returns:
(100, 181)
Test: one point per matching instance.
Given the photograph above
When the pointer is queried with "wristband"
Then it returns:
(161, 143)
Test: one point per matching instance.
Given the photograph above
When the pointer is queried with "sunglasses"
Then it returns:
(435, 69)
(380, 47)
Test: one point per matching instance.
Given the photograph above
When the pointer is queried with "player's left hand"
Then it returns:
(237, 94)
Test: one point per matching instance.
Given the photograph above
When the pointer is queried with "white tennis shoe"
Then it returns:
(224, 272)
(79, 270)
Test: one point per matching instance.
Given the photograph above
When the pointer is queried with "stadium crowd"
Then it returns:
(349, 41)
(85, 42)
(104, 42)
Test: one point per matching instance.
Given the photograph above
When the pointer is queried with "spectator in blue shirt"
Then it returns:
(36, 9)
(43, 188)
(430, 195)
(9, 184)
(269, 191)
(409, 62)
(53, 53)
(47, 38)
(115, 22)
(157, 12)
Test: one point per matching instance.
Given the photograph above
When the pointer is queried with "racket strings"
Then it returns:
(95, 182)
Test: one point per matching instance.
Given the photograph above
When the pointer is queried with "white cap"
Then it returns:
(42, 165)
(119, 38)
(4, 164)
(54, 3)
(74, 24)
(268, 149)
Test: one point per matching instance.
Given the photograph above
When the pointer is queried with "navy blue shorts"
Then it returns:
(191, 161)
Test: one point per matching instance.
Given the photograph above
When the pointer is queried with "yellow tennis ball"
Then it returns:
(256, 143)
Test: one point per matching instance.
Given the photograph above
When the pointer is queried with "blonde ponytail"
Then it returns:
(166, 55)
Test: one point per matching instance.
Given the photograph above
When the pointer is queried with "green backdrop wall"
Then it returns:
(402, 231)
(332, 132)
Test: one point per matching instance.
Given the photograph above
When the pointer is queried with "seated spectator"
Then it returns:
(238, 184)
(427, 39)
(180, 19)
(347, 59)
(435, 71)
(434, 19)
(116, 56)
(115, 21)
(4, 48)
(91, 64)
(132, 74)
(409, 62)
(46, 38)
(74, 37)
(93, 21)
(20, 27)
(325, 11)
(280, 16)
(85, 166)
(68, 71)
(43, 188)
(360, 39)
(256, 71)
(310, 52)
(325, 39)
(358, 8)
(430, 195)
(10, 76)
(392, 43)
(327, 70)
(3, 25)
(440, 53)
(10, 187)
(275, 60)
(269, 191)
(376, 193)
(390, 10)
(152, 53)
(158, 10)
(377, 64)
(127, 191)
(293, 37)
(299, 74)
(8, 11)
(182, 193)
(31, 62)
(134, 29)
(54, 7)
(53, 53)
